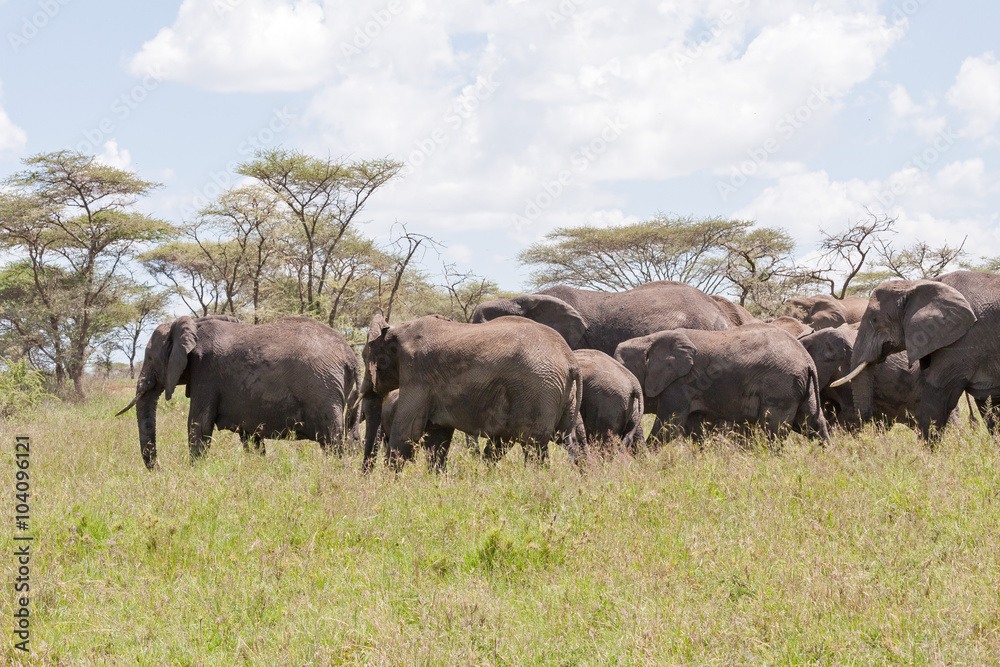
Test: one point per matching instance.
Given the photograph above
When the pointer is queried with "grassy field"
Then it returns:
(872, 551)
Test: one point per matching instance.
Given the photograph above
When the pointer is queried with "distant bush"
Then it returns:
(21, 387)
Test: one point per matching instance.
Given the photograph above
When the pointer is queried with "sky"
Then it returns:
(516, 117)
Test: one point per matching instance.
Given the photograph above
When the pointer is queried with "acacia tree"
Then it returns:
(251, 221)
(619, 258)
(73, 217)
(324, 197)
(144, 306)
(758, 266)
(183, 268)
(919, 260)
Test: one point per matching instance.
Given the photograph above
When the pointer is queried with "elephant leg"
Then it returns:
(437, 443)
(534, 450)
(472, 444)
(495, 449)
(253, 442)
(371, 408)
(671, 421)
(776, 420)
(409, 427)
(330, 434)
(200, 426)
(988, 410)
(658, 435)
(400, 450)
(936, 404)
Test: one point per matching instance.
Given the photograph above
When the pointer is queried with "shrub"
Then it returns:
(21, 387)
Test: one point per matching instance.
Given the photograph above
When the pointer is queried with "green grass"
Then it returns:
(874, 550)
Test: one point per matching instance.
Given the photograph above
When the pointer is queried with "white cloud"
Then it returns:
(689, 85)
(692, 85)
(241, 45)
(940, 206)
(977, 93)
(12, 138)
(113, 156)
(905, 113)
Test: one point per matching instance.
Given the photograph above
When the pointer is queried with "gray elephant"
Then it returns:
(509, 380)
(793, 326)
(291, 376)
(889, 392)
(737, 314)
(951, 326)
(749, 375)
(602, 320)
(822, 310)
(612, 402)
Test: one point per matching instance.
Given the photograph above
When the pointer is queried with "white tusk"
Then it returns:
(127, 407)
(850, 376)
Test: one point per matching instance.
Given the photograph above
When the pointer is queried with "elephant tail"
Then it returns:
(633, 429)
(571, 409)
(812, 408)
(352, 402)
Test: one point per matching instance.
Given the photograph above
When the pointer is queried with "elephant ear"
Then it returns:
(669, 358)
(183, 338)
(377, 326)
(376, 329)
(935, 315)
(554, 313)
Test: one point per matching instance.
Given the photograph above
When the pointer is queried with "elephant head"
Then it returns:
(793, 326)
(375, 331)
(657, 360)
(371, 400)
(163, 369)
(919, 316)
(541, 308)
(820, 311)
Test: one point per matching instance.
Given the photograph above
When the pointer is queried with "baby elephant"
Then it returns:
(612, 402)
(753, 374)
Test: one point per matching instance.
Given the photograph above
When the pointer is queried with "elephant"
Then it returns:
(748, 375)
(612, 402)
(508, 379)
(793, 326)
(951, 326)
(890, 389)
(737, 314)
(830, 349)
(602, 320)
(822, 310)
(290, 376)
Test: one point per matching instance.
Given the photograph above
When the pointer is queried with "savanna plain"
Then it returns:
(873, 550)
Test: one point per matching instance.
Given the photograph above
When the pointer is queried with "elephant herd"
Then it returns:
(580, 368)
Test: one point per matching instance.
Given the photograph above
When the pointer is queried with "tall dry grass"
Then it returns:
(874, 550)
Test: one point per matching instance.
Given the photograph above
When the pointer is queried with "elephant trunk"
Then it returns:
(145, 412)
(863, 392)
(371, 406)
